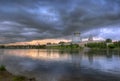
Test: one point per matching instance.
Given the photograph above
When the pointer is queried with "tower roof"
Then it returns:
(77, 33)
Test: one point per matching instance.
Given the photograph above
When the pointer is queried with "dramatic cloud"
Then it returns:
(24, 20)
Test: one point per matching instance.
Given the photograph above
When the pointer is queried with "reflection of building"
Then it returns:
(76, 37)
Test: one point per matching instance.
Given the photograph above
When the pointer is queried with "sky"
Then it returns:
(27, 20)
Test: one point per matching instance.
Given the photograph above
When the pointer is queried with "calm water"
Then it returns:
(56, 65)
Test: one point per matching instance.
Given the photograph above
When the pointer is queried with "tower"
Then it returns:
(76, 37)
(90, 38)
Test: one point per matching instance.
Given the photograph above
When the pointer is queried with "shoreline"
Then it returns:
(7, 76)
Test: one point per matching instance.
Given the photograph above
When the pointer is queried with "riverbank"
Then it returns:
(56, 46)
(6, 76)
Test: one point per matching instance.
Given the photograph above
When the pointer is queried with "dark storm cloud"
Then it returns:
(38, 19)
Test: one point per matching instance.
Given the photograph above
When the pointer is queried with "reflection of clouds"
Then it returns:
(95, 62)
(31, 59)
(109, 65)
(49, 65)
(103, 64)
(28, 65)
(38, 54)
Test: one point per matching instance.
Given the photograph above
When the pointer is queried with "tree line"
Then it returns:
(106, 44)
(22, 46)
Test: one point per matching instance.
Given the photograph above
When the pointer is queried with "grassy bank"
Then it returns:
(56, 46)
(6, 76)
(66, 47)
(104, 45)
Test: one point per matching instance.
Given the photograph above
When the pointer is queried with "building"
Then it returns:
(76, 38)
(90, 38)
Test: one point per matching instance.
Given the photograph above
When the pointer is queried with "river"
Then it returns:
(59, 65)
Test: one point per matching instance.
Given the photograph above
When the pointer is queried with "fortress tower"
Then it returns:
(76, 37)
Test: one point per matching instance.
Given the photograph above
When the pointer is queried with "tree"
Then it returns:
(49, 43)
(111, 46)
(108, 40)
(62, 43)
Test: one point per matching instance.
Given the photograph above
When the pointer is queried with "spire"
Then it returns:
(90, 38)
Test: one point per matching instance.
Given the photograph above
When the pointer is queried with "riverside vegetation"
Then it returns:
(66, 47)
(104, 45)
(60, 46)
(6, 76)
(63, 46)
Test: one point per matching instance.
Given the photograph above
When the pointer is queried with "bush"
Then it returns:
(2, 68)
(18, 78)
(111, 46)
(100, 45)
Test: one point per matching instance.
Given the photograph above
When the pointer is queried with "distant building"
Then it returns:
(90, 38)
(76, 37)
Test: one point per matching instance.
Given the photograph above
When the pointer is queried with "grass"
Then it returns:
(18, 78)
(2, 68)
(6, 76)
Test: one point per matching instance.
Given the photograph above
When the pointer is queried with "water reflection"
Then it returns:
(59, 65)
(38, 54)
